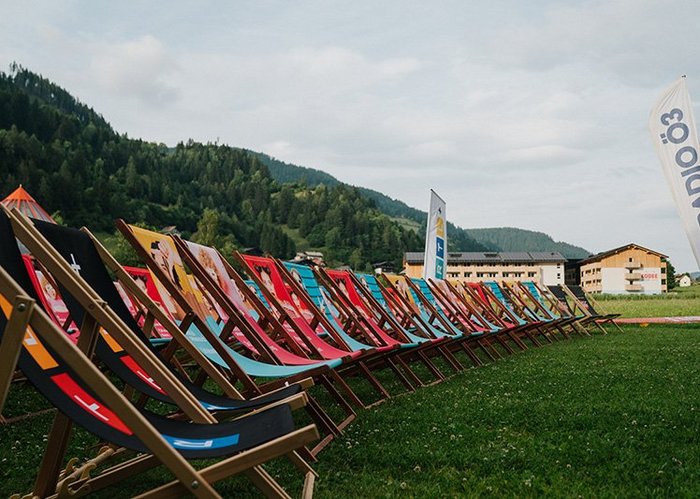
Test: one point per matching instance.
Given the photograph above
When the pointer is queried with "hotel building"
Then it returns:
(545, 268)
(630, 269)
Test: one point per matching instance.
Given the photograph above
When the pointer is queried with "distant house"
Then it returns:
(383, 267)
(629, 269)
(544, 267)
(684, 281)
(310, 257)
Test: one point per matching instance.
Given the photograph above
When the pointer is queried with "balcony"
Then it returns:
(633, 287)
(633, 265)
(633, 276)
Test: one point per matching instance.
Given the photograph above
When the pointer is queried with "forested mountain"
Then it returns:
(459, 239)
(80, 168)
(512, 239)
(86, 173)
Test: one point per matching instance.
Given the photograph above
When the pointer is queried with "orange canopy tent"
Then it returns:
(21, 200)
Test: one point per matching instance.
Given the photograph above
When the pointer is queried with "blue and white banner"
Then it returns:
(675, 137)
(435, 259)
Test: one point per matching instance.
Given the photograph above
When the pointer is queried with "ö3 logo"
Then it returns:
(686, 156)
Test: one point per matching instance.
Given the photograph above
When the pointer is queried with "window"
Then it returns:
(531, 274)
(467, 274)
(558, 275)
(479, 274)
(663, 282)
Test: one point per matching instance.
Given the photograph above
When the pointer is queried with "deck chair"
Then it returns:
(63, 372)
(549, 306)
(376, 356)
(404, 291)
(568, 305)
(410, 320)
(351, 293)
(301, 326)
(77, 247)
(214, 340)
(527, 306)
(502, 314)
(467, 317)
(303, 278)
(586, 306)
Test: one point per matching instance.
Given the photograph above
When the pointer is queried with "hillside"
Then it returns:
(488, 239)
(513, 239)
(83, 171)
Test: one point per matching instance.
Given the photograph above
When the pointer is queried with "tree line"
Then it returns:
(78, 167)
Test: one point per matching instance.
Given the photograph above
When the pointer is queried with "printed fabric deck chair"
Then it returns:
(502, 315)
(76, 247)
(585, 305)
(347, 291)
(410, 320)
(63, 372)
(317, 299)
(523, 315)
(544, 302)
(528, 307)
(242, 360)
(567, 305)
(281, 310)
(290, 302)
(413, 293)
(467, 317)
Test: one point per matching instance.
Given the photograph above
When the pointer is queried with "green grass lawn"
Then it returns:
(608, 416)
(679, 302)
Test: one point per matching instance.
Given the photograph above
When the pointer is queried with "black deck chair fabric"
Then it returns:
(77, 248)
(56, 381)
(562, 298)
(580, 294)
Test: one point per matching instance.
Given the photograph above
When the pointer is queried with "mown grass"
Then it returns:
(609, 416)
(665, 305)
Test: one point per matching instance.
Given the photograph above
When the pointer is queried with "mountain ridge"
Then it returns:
(459, 239)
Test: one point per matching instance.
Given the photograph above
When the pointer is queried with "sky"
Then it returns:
(522, 114)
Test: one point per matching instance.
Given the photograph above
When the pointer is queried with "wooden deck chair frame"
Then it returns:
(420, 351)
(551, 309)
(435, 319)
(216, 375)
(554, 305)
(358, 365)
(499, 314)
(462, 343)
(590, 311)
(408, 318)
(356, 325)
(584, 320)
(451, 297)
(363, 326)
(322, 374)
(489, 340)
(383, 357)
(25, 313)
(518, 299)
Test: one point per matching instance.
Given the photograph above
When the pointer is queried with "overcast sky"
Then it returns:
(525, 114)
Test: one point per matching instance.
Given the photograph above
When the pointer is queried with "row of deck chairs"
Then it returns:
(211, 365)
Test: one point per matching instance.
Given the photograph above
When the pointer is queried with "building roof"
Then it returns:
(599, 256)
(27, 205)
(492, 257)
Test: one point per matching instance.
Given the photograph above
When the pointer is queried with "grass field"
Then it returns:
(679, 302)
(609, 416)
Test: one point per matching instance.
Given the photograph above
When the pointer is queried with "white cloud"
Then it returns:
(518, 113)
(138, 69)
